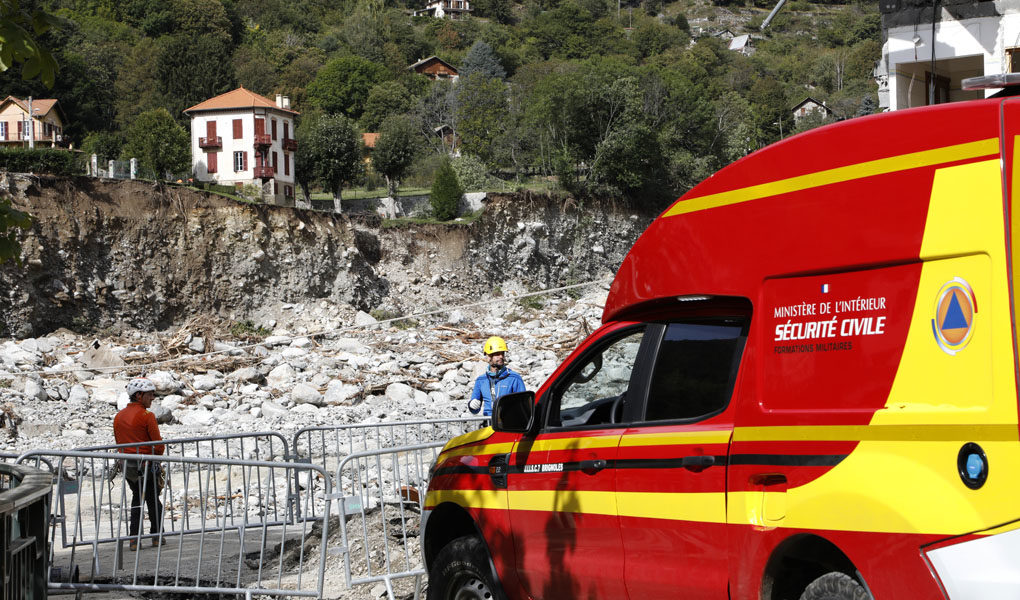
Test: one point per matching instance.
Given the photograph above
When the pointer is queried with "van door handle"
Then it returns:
(696, 463)
(591, 467)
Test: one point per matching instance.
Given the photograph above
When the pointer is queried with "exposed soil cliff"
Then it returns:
(101, 253)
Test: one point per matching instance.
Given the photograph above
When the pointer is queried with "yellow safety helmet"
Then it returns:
(493, 345)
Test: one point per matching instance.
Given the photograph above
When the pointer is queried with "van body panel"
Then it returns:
(868, 206)
(873, 414)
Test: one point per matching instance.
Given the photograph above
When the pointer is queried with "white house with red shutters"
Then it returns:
(241, 137)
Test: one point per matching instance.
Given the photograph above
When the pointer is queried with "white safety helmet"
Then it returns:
(139, 384)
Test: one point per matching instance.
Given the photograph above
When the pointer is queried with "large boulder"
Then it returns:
(98, 356)
(338, 392)
(272, 410)
(246, 374)
(205, 383)
(165, 382)
(280, 376)
(306, 394)
(106, 391)
(199, 417)
(399, 392)
(162, 414)
(35, 391)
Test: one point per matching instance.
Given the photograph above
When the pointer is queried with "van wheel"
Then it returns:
(835, 586)
(461, 572)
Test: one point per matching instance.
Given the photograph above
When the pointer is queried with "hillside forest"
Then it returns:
(631, 100)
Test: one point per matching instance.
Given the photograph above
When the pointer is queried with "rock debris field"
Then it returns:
(61, 391)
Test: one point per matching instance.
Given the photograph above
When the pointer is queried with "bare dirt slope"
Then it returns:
(107, 253)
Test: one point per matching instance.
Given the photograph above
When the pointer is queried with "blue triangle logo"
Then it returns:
(954, 316)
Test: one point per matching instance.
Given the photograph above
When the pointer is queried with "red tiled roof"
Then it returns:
(370, 139)
(239, 98)
(41, 106)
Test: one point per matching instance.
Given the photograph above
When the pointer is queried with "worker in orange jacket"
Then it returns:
(133, 425)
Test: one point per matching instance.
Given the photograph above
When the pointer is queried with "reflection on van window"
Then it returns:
(694, 369)
(599, 384)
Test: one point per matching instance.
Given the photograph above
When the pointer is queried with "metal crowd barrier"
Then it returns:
(326, 445)
(24, 515)
(261, 445)
(229, 526)
(382, 494)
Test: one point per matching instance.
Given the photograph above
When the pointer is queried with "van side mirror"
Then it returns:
(514, 413)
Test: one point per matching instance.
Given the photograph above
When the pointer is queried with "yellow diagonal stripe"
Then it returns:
(856, 433)
(477, 450)
(573, 501)
(579, 443)
(491, 499)
(708, 507)
(677, 437)
(914, 160)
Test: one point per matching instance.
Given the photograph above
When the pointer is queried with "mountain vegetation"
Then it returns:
(630, 100)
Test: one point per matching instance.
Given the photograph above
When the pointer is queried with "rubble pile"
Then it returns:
(62, 390)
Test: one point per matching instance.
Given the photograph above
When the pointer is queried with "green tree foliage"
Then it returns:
(812, 120)
(625, 106)
(343, 84)
(500, 11)
(19, 28)
(333, 152)
(436, 115)
(771, 110)
(572, 31)
(10, 221)
(395, 150)
(480, 112)
(387, 98)
(159, 143)
(136, 89)
(481, 60)
(446, 193)
(190, 69)
(104, 144)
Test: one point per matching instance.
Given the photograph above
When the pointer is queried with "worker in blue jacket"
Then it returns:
(497, 381)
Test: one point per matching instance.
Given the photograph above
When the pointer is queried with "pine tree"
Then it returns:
(481, 59)
(446, 193)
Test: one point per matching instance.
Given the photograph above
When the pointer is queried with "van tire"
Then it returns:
(835, 586)
(462, 570)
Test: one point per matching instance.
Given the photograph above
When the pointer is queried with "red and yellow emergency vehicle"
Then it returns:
(804, 387)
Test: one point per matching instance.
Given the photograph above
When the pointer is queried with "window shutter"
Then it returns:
(258, 159)
(286, 164)
(210, 129)
(211, 162)
(238, 129)
(286, 130)
(272, 125)
(21, 130)
(276, 165)
(260, 126)
(244, 160)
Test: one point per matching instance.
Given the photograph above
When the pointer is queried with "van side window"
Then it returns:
(595, 387)
(695, 368)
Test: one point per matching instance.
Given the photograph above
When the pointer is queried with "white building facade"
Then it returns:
(240, 138)
(971, 39)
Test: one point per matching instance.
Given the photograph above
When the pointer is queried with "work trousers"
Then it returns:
(143, 481)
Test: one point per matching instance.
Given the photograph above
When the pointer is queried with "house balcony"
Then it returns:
(290, 144)
(263, 139)
(265, 172)
(210, 142)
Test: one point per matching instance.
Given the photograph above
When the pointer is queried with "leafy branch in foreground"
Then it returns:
(17, 45)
